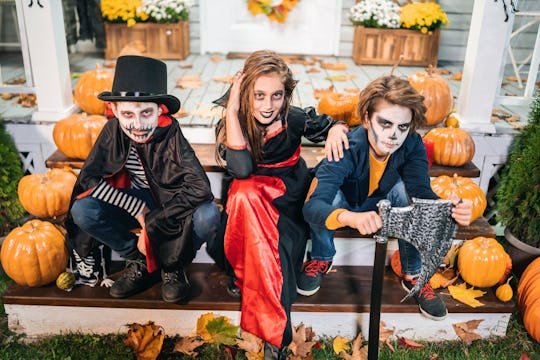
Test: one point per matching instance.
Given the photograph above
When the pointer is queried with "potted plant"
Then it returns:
(518, 194)
(385, 31)
(157, 28)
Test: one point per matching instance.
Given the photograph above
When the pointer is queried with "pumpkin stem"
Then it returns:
(396, 64)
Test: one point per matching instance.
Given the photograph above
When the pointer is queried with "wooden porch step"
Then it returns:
(311, 154)
(340, 307)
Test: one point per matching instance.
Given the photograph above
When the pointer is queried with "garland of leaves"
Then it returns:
(274, 12)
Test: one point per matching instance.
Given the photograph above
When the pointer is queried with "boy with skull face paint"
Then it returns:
(386, 160)
(142, 173)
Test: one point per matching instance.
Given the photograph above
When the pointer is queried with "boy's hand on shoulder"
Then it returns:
(336, 141)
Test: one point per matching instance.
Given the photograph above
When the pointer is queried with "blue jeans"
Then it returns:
(322, 239)
(111, 225)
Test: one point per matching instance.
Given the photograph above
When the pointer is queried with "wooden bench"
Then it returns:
(311, 154)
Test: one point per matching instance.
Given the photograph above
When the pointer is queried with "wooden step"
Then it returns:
(311, 154)
(340, 307)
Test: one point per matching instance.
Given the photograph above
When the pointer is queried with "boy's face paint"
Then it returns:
(268, 98)
(388, 128)
(138, 120)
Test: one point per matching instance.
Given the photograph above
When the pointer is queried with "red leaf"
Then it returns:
(410, 343)
(524, 357)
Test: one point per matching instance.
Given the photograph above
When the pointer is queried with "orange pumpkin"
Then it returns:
(445, 186)
(437, 95)
(528, 298)
(453, 146)
(47, 195)
(34, 254)
(340, 107)
(75, 135)
(90, 84)
(482, 262)
(395, 263)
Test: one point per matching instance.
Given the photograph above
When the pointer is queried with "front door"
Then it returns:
(312, 27)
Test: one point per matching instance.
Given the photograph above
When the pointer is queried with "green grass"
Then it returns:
(88, 347)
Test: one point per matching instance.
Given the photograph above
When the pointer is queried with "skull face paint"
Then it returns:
(268, 98)
(138, 120)
(388, 128)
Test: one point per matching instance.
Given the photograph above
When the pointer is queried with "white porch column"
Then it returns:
(43, 20)
(483, 62)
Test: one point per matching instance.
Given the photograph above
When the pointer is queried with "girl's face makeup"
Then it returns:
(138, 120)
(268, 98)
(388, 128)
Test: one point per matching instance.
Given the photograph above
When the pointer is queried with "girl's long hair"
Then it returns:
(259, 63)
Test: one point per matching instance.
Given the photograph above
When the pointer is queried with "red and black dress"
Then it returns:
(263, 233)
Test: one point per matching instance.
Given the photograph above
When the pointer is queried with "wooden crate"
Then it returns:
(161, 41)
(384, 46)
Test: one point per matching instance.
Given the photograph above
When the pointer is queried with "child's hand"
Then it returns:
(233, 104)
(462, 210)
(336, 141)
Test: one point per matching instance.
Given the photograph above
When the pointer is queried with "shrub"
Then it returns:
(11, 172)
(518, 195)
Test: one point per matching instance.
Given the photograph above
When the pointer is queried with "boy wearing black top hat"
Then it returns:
(142, 173)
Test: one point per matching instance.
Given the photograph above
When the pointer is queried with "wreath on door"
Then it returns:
(276, 10)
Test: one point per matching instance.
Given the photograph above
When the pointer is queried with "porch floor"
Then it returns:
(213, 70)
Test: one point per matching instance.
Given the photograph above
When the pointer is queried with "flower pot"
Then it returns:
(384, 46)
(161, 41)
(520, 253)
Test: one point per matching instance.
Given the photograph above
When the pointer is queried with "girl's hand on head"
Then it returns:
(336, 141)
(233, 104)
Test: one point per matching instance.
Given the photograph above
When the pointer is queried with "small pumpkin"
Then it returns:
(453, 146)
(445, 186)
(395, 263)
(34, 253)
(504, 292)
(76, 134)
(65, 281)
(340, 107)
(482, 262)
(47, 195)
(437, 94)
(89, 86)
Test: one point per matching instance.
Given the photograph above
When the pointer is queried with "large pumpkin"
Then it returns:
(528, 298)
(34, 254)
(340, 107)
(445, 186)
(75, 135)
(453, 146)
(90, 84)
(437, 95)
(482, 262)
(47, 195)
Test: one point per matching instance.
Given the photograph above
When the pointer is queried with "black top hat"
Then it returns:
(141, 79)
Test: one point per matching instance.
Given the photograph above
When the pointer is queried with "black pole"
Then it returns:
(376, 295)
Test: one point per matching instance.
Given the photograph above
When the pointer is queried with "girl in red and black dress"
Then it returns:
(263, 233)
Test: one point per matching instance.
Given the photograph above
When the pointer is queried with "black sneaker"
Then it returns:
(313, 271)
(135, 278)
(232, 289)
(175, 286)
(430, 304)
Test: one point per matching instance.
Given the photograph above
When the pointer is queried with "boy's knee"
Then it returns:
(85, 212)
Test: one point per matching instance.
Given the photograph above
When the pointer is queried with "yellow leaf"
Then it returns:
(341, 344)
(146, 340)
(466, 295)
(340, 77)
(202, 321)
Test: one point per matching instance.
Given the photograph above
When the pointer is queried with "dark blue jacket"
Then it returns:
(351, 175)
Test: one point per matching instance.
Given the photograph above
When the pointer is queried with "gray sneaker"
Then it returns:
(309, 281)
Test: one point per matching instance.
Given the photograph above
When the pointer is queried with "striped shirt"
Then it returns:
(116, 197)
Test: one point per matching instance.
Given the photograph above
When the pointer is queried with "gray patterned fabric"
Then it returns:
(427, 225)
